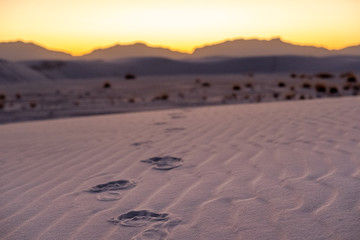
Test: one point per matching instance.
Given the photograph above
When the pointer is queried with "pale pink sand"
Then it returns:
(263, 171)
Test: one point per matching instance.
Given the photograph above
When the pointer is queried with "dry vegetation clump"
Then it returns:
(181, 95)
(293, 75)
(333, 90)
(302, 97)
(351, 79)
(306, 85)
(130, 76)
(197, 80)
(346, 74)
(289, 96)
(276, 95)
(236, 87)
(292, 88)
(162, 97)
(206, 84)
(249, 85)
(281, 84)
(347, 87)
(107, 84)
(32, 105)
(320, 88)
(18, 96)
(324, 75)
(131, 100)
(2, 97)
(2, 105)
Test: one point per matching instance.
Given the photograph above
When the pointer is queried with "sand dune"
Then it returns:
(283, 170)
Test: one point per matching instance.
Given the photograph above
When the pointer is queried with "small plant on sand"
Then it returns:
(281, 84)
(107, 84)
(129, 76)
(324, 75)
(302, 97)
(206, 84)
(181, 95)
(347, 87)
(320, 88)
(292, 88)
(289, 96)
(18, 96)
(2, 105)
(162, 97)
(131, 100)
(293, 75)
(32, 105)
(236, 87)
(276, 95)
(306, 85)
(197, 80)
(333, 90)
(249, 85)
(2, 97)
(351, 79)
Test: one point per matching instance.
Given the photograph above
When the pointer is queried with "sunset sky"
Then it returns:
(79, 26)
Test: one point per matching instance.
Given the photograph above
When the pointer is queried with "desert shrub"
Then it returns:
(356, 87)
(320, 87)
(18, 96)
(162, 97)
(324, 75)
(302, 97)
(346, 87)
(346, 74)
(181, 95)
(249, 85)
(293, 75)
(197, 80)
(32, 105)
(333, 90)
(236, 87)
(292, 88)
(131, 100)
(2, 97)
(206, 84)
(289, 96)
(306, 85)
(129, 76)
(107, 84)
(302, 76)
(276, 95)
(281, 84)
(1, 105)
(351, 79)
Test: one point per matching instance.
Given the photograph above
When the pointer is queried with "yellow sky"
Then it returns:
(78, 26)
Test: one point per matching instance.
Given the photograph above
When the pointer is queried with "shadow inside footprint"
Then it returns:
(112, 186)
(139, 218)
(164, 163)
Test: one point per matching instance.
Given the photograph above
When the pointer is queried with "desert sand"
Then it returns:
(277, 170)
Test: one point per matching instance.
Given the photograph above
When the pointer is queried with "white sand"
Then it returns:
(254, 171)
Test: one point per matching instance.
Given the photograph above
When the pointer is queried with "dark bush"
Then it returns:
(289, 96)
(293, 75)
(333, 90)
(249, 85)
(321, 88)
(206, 84)
(131, 100)
(32, 105)
(236, 87)
(162, 97)
(2, 97)
(324, 75)
(18, 96)
(107, 85)
(130, 76)
(351, 79)
(276, 95)
(281, 84)
(302, 97)
(306, 85)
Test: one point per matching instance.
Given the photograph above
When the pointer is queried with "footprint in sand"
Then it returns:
(139, 218)
(158, 231)
(164, 163)
(107, 191)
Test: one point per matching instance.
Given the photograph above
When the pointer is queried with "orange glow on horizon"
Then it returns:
(80, 26)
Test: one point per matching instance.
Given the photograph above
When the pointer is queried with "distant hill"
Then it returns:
(254, 48)
(20, 51)
(131, 51)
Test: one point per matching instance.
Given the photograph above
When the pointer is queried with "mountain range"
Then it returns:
(21, 51)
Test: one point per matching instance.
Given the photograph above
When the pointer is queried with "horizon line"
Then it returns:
(173, 49)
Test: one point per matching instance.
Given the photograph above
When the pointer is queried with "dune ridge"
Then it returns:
(283, 170)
